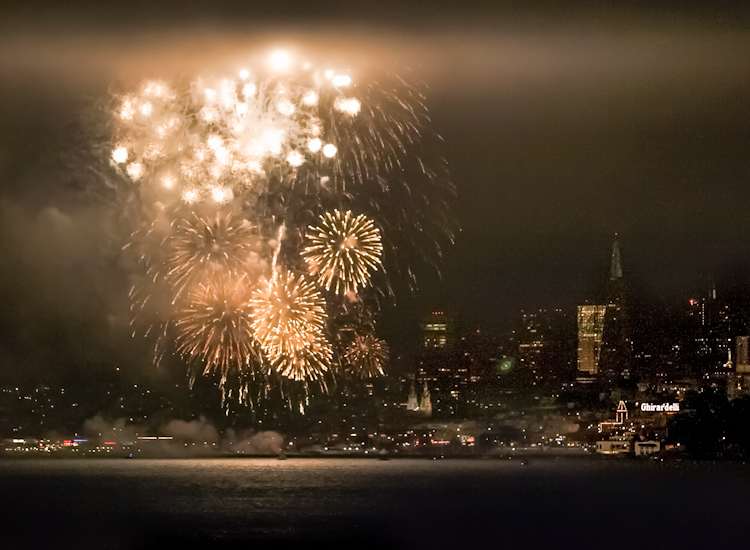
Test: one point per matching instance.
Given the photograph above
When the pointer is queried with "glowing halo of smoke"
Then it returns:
(367, 356)
(343, 250)
(289, 318)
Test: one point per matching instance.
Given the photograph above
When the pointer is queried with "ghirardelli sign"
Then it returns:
(660, 407)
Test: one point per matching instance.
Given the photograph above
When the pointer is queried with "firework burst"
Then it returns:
(367, 356)
(204, 246)
(219, 139)
(215, 327)
(289, 319)
(343, 250)
(309, 356)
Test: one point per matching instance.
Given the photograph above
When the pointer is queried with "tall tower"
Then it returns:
(615, 288)
(615, 270)
(616, 346)
(603, 338)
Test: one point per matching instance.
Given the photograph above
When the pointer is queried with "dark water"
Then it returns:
(415, 504)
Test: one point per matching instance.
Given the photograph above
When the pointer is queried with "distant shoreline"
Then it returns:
(518, 457)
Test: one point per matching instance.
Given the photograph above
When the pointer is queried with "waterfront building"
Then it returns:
(646, 448)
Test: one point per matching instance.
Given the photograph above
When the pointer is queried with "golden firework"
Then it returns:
(205, 246)
(309, 356)
(215, 327)
(367, 355)
(289, 319)
(343, 250)
(217, 138)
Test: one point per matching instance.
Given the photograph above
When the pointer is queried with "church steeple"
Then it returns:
(615, 271)
(412, 404)
(425, 406)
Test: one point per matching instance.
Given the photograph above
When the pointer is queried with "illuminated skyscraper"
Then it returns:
(742, 355)
(714, 321)
(435, 330)
(590, 332)
(534, 330)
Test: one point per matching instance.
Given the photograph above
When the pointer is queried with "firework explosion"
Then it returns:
(202, 247)
(367, 355)
(343, 250)
(263, 198)
(215, 325)
(289, 322)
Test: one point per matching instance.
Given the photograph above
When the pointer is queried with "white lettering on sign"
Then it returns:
(662, 407)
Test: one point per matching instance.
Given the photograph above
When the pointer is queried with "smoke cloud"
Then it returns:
(195, 438)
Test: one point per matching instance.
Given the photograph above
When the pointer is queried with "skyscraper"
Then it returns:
(616, 341)
(714, 324)
(603, 338)
(615, 270)
(425, 406)
(533, 332)
(742, 355)
(435, 330)
(590, 332)
(542, 352)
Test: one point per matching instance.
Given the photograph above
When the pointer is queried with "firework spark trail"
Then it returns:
(274, 263)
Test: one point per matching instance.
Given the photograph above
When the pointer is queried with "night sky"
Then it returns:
(560, 127)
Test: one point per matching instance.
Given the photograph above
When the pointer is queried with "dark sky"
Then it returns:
(562, 126)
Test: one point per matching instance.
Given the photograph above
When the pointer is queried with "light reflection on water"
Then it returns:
(396, 502)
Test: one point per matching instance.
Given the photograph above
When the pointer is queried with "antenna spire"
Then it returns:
(615, 272)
